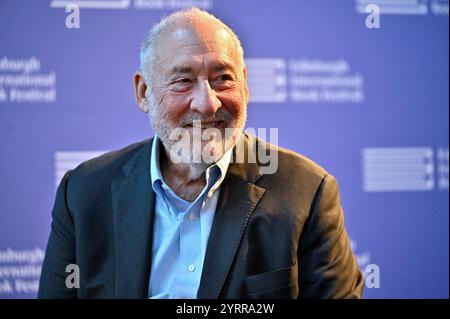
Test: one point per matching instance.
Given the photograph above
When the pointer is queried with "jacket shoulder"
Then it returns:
(293, 163)
(92, 178)
(109, 162)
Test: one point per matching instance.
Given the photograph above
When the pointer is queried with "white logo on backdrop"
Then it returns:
(92, 4)
(397, 169)
(267, 80)
(65, 161)
(172, 4)
(442, 167)
(403, 169)
(325, 81)
(20, 270)
(22, 81)
(405, 7)
(306, 81)
(439, 7)
(410, 7)
(136, 4)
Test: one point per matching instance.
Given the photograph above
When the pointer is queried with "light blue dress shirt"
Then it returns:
(181, 231)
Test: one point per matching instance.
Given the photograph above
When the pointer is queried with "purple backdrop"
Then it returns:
(369, 104)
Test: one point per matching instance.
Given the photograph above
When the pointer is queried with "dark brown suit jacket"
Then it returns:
(273, 236)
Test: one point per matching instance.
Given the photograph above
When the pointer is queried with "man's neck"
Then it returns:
(186, 180)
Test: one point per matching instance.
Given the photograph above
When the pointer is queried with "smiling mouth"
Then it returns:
(205, 125)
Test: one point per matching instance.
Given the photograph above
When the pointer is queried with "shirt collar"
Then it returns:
(155, 168)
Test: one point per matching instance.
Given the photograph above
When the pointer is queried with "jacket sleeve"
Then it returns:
(60, 250)
(327, 266)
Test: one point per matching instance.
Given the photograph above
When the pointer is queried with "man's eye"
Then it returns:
(224, 82)
(225, 77)
(181, 85)
(184, 80)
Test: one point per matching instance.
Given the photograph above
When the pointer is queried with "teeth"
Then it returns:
(203, 125)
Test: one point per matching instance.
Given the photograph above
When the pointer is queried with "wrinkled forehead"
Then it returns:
(194, 40)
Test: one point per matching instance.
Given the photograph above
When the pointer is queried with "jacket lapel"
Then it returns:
(133, 208)
(238, 198)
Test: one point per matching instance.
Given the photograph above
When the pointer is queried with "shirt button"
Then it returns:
(191, 217)
(191, 268)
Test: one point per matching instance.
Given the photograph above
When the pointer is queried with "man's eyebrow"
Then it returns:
(223, 66)
(216, 67)
(180, 69)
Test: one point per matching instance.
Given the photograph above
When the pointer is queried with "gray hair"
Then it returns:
(182, 18)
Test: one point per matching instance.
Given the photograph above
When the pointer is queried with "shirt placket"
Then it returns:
(190, 253)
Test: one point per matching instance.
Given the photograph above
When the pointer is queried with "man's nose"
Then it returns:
(205, 100)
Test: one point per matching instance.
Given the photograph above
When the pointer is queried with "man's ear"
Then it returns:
(246, 90)
(140, 88)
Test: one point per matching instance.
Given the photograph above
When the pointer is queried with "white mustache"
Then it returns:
(197, 120)
(200, 124)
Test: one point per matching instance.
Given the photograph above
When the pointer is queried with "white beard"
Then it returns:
(191, 149)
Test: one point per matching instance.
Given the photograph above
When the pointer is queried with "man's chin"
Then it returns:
(204, 154)
(199, 150)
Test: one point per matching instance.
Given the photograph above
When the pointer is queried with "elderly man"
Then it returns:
(156, 220)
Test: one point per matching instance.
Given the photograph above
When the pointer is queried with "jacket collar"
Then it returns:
(133, 209)
(238, 198)
(133, 215)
